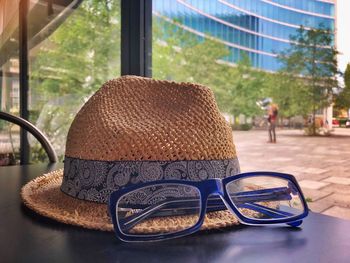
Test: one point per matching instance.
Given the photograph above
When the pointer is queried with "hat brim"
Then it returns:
(44, 196)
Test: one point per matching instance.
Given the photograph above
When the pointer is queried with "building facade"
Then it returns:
(261, 28)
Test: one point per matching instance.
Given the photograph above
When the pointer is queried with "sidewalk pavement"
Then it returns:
(320, 164)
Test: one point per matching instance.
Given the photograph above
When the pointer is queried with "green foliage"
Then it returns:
(242, 127)
(308, 199)
(342, 102)
(70, 65)
(246, 89)
(310, 67)
(347, 76)
(81, 54)
(181, 56)
(84, 52)
(38, 154)
(289, 93)
(312, 130)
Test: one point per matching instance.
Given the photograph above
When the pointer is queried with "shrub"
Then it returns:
(246, 127)
(242, 127)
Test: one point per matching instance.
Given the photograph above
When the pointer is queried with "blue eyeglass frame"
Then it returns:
(206, 188)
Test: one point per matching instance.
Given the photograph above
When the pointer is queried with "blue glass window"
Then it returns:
(258, 25)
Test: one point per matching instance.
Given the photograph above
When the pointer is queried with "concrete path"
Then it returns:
(320, 164)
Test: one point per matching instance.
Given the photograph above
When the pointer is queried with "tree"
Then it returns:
(182, 56)
(70, 65)
(289, 92)
(236, 88)
(84, 52)
(311, 61)
(245, 89)
(81, 54)
(343, 100)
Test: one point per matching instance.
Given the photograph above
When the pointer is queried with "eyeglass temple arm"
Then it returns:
(214, 204)
(183, 207)
(261, 195)
(272, 213)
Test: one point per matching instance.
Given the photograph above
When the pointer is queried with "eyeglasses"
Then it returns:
(172, 208)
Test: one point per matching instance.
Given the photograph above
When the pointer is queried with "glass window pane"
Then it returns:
(9, 80)
(70, 57)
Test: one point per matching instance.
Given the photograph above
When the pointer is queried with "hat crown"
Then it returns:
(132, 131)
(134, 118)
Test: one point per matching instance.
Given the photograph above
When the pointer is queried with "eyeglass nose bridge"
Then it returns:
(214, 186)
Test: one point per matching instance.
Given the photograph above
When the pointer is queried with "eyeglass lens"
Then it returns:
(265, 197)
(158, 209)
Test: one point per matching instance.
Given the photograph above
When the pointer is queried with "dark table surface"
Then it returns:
(28, 237)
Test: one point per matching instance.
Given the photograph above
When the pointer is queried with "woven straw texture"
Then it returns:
(44, 196)
(134, 118)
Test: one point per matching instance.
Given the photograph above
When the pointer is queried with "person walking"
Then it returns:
(272, 119)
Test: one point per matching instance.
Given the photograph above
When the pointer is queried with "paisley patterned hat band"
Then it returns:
(135, 130)
(96, 180)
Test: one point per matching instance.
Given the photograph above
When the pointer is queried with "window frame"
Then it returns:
(136, 52)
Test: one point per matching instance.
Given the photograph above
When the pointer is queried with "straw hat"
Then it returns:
(136, 130)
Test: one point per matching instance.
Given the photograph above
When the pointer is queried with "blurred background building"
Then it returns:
(261, 28)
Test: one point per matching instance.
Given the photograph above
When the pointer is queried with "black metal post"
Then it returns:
(136, 37)
(23, 77)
